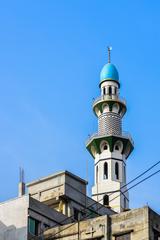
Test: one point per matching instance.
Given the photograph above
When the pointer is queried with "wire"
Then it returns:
(109, 201)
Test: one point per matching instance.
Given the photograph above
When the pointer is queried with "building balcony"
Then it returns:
(96, 135)
(108, 98)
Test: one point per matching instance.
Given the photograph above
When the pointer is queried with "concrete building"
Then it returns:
(137, 224)
(24, 217)
(66, 193)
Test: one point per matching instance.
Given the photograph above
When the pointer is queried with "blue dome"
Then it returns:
(109, 72)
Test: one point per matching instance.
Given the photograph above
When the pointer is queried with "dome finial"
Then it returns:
(109, 53)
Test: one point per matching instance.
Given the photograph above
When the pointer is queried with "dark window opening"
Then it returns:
(106, 200)
(97, 174)
(117, 170)
(156, 235)
(33, 226)
(117, 147)
(104, 91)
(105, 147)
(76, 213)
(110, 90)
(123, 237)
(105, 170)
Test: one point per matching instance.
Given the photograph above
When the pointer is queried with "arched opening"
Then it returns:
(97, 174)
(106, 200)
(117, 170)
(117, 147)
(105, 170)
(104, 91)
(105, 147)
(110, 90)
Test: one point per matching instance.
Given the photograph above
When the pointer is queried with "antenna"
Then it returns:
(21, 186)
(109, 53)
(21, 175)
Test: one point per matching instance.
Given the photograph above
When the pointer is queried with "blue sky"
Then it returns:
(51, 54)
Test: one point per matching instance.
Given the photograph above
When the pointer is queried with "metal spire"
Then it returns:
(109, 54)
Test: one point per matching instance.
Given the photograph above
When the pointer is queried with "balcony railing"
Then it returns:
(108, 97)
(96, 135)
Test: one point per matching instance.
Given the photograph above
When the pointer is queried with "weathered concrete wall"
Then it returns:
(133, 221)
(154, 226)
(85, 230)
(13, 219)
(140, 223)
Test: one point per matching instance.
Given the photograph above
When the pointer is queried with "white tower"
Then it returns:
(110, 147)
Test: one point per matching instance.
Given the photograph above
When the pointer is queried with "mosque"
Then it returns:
(57, 206)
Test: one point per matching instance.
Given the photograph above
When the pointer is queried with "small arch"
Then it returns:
(105, 170)
(104, 91)
(105, 108)
(117, 170)
(97, 174)
(106, 200)
(104, 146)
(118, 146)
(115, 108)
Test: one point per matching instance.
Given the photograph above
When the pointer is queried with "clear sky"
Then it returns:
(51, 54)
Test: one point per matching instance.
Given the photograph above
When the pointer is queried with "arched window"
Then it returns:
(105, 170)
(106, 200)
(117, 170)
(110, 90)
(105, 147)
(117, 147)
(97, 174)
(104, 91)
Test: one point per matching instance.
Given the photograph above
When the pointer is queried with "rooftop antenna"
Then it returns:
(109, 53)
(21, 186)
(21, 175)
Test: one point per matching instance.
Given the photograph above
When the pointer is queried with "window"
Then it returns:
(156, 235)
(105, 147)
(33, 226)
(110, 90)
(104, 91)
(76, 214)
(97, 174)
(117, 170)
(117, 147)
(126, 236)
(106, 200)
(105, 170)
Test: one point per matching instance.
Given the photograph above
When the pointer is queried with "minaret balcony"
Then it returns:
(108, 97)
(110, 100)
(94, 141)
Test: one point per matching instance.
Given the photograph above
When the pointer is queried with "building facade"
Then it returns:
(137, 224)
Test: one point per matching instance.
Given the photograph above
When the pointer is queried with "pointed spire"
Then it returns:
(109, 53)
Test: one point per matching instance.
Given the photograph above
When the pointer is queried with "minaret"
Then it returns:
(110, 147)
